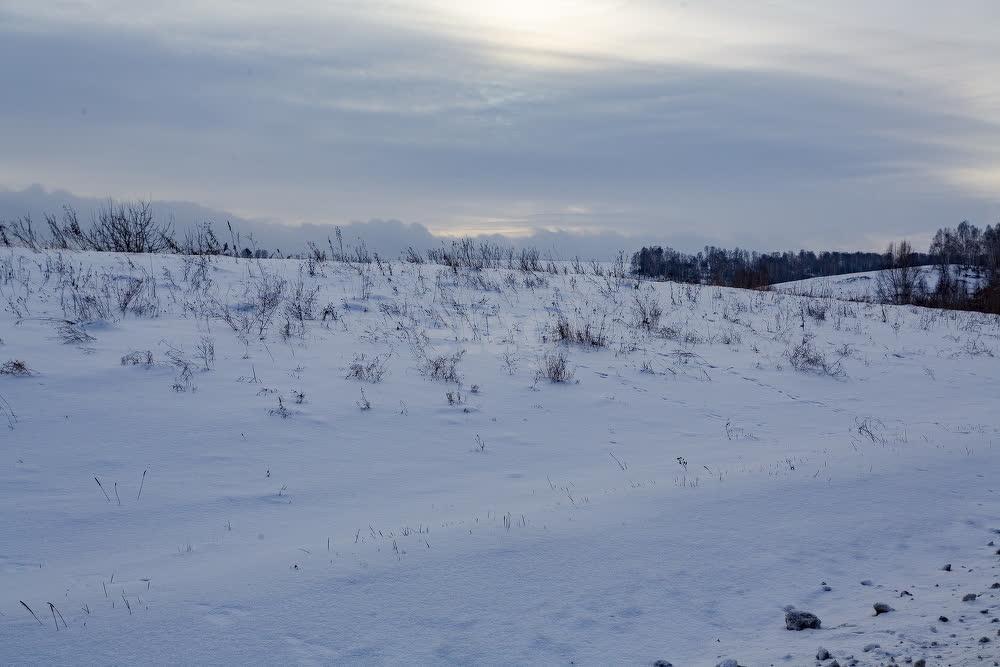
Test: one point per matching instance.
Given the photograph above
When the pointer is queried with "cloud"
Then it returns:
(767, 125)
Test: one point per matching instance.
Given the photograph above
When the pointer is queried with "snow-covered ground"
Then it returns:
(864, 286)
(697, 475)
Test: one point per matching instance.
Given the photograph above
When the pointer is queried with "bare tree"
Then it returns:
(23, 232)
(899, 283)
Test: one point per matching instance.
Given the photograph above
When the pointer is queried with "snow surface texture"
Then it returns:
(439, 500)
(864, 286)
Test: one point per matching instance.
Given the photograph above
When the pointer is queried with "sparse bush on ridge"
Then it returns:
(127, 227)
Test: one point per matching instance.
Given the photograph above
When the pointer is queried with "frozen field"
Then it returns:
(208, 460)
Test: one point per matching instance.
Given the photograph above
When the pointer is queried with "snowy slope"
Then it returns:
(695, 477)
(864, 286)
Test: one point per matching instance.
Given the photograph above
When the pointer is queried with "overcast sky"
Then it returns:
(768, 124)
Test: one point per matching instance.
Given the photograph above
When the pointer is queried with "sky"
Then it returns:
(771, 124)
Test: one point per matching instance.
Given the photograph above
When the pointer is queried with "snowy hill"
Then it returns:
(218, 460)
(864, 286)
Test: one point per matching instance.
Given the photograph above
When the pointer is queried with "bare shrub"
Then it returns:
(510, 361)
(128, 227)
(443, 366)
(646, 311)
(478, 281)
(329, 312)
(280, 411)
(412, 256)
(974, 347)
(177, 357)
(7, 413)
(15, 368)
(361, 254)
(554, 367)
(136, 295)
(196, 271)
(138, 358)
(73, 333)
(239, 317)
(22, 230)
(301, 304)
(184, 381)
(363, 403)
(872, 428)
(817, 309)
(199, 240)
(585, 333)
(88, 302)
(533, 282)
(263, 295)
(807, 358)
(204, 351)
(528, 260)
(691, 337)
(67, 235)
(730, 336)
(266, 294)
(366, 369)
(185, 368)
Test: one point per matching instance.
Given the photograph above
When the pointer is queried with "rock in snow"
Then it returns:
(801, 620)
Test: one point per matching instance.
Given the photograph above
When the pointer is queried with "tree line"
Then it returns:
(751, 269)
(955, 254)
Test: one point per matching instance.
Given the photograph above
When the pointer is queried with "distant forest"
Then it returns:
(744, 268)
(966, 246)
